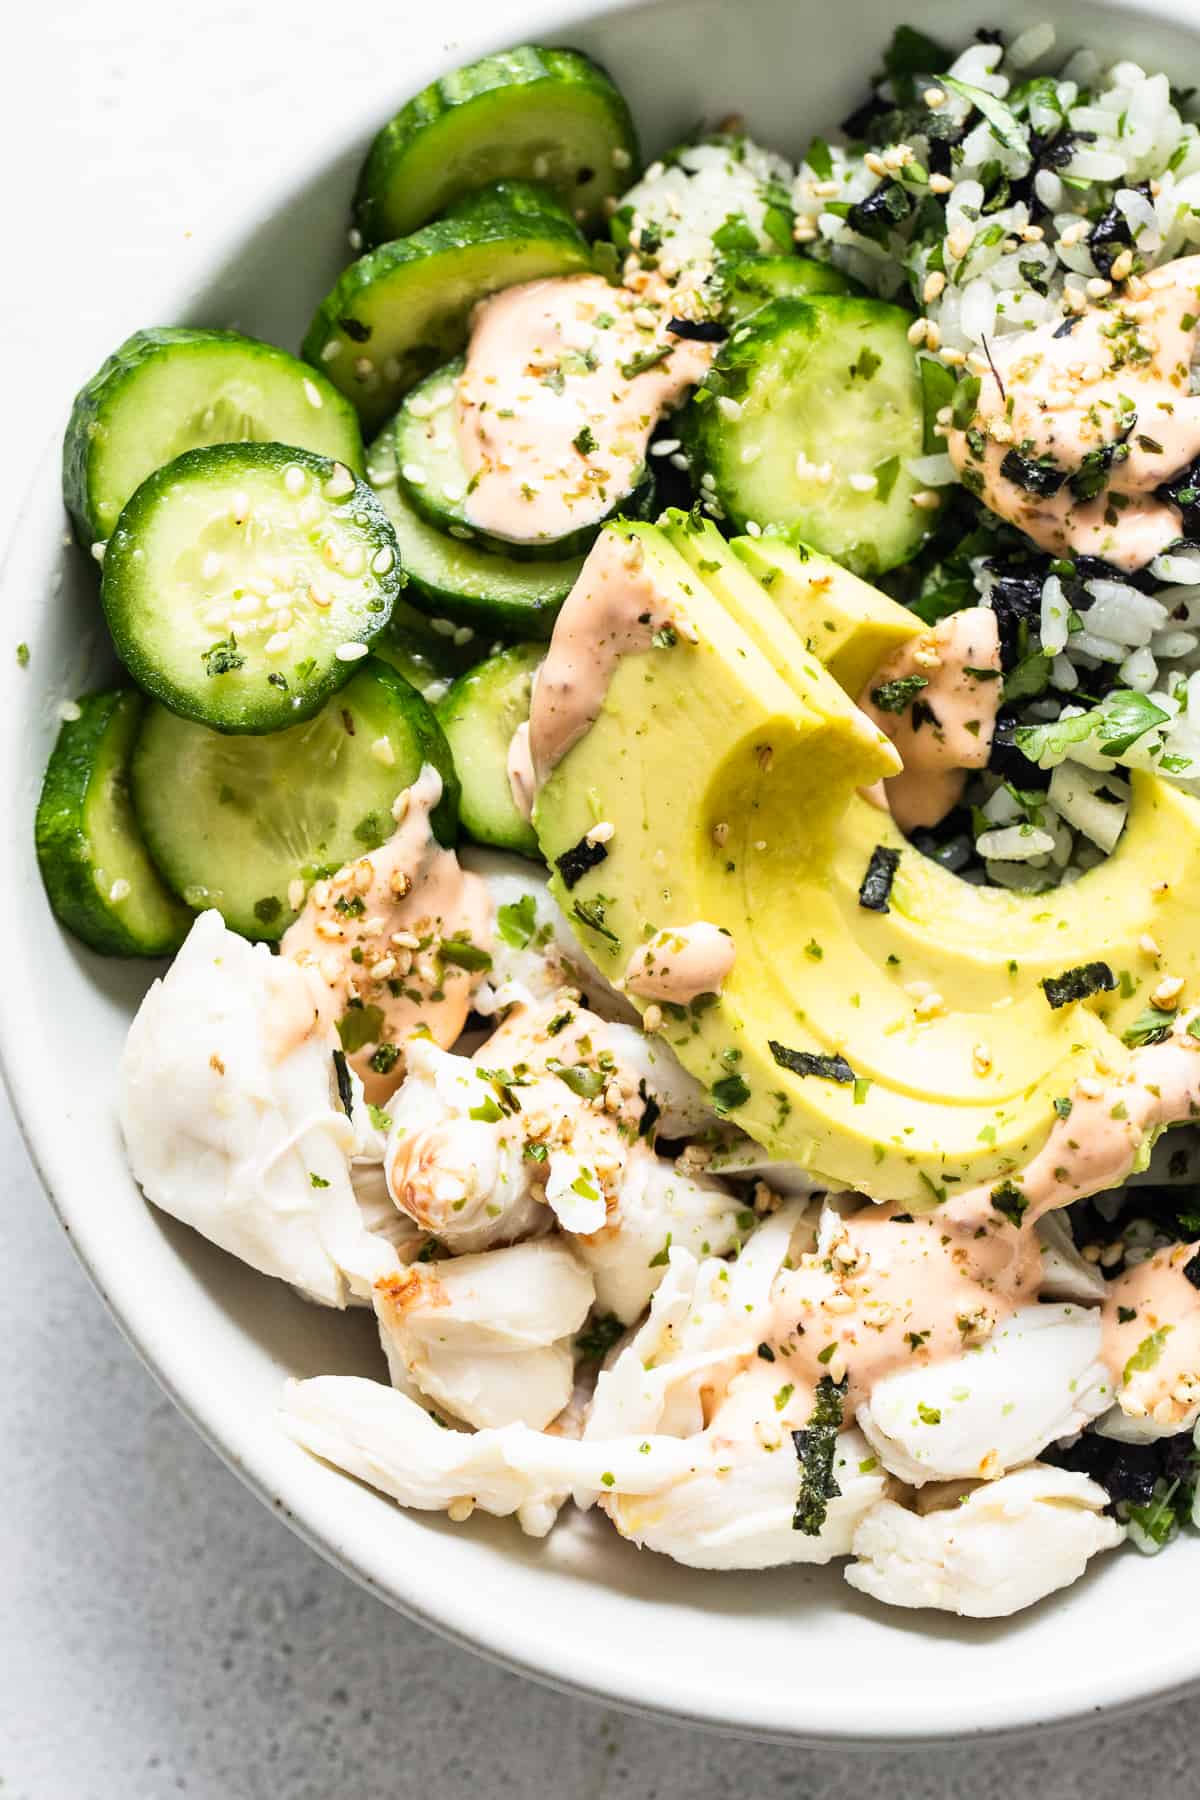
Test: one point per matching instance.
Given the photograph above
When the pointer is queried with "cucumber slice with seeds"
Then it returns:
(479, 716)
(243, 581)
(758, 279)
(553, 115)
(245, 824)
(98, 875)
(429, 658)
(401, 311)
(516, 199)
(827, 413)
(173, 389)
(450, 579)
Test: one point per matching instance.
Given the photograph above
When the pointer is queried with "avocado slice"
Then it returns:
(730, 769)
(848, 624)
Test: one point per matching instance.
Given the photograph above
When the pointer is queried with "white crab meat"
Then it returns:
(534, 952)
(1065, 1273)
(706, 1318)
(989, 1552)
(229, 1110)
(489, 1337)
(736, 1510)
(657, 1208)
(455, 1162)
(1039, 1377)
(381, 1436)
(685, 1105)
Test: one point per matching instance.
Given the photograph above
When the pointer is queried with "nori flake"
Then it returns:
(574, 863)
(1078, 983)
(1038, 475)
(815, 1448)
(877, 882)
(803, 1062)
(345, 1090)
(698, 331)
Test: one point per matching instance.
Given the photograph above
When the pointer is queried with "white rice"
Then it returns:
(688, 198)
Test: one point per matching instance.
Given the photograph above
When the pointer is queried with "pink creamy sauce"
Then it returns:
(891, 1293)
(614, 610)
(564, 382)
(947, 728)
(397, 907)
(1151, 1322)
(680, 963)
(1068, 397)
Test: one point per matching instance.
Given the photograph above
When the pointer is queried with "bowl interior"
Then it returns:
(791, 1652)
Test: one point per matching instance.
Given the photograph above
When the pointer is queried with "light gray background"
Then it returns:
(160, 1632)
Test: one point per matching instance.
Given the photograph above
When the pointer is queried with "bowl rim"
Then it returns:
(313, 1514)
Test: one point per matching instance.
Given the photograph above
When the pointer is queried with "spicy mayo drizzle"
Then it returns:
(1115, 383)
(564, 382)
(375, 934)
(946, 727)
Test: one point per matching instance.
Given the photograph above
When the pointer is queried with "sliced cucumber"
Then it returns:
(100, 880)
(428, 658)
(757, 279)
(172, 389)
(434, 478)
(399, 312)
(450, 579)
(243, 581)
(516, 199)
(245, 823)
(479, 716)
(553, 115)
(828, 411)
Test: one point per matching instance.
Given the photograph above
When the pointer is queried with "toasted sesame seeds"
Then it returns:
(652, 1018)
(460, 1510)
(601, 833)
(953, 359)
(1166, 994)
(935, 282)
(349, 652)
(295, 895)
(383, 752)
(940, 184)
(400, 809)
(927, 500)
(1148, 945)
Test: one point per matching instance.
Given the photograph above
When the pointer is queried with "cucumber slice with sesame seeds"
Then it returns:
(553, 115)
(173, 389)
(245, 824)
(243, 581)
(429, 657)
(523, 199)
(433, 477)
(757, 279)
(806, 422)
(98, 874)
(403, 310)
(479, 716)
(453, 581)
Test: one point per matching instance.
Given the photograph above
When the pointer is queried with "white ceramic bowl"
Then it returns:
(791, 1653)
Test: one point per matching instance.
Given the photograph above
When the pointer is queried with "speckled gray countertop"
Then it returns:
(160, 1632)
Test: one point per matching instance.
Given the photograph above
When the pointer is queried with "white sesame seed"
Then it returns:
(340, 483)
(332, 350)
(99, 548)
(413, 473)
(935, 281)
(862, 482)
(277, 643)
(120, 890)
(383, 752)
(295, 894)
(729, 409)
(347, 652)
(1148, 945)
(927, 500)
(934, 97)
(1167, 992)
(621, 158)
(462, 636)
(312, 393)
(69, 711)
(1074, 234)
(1097, 288)
(652, 1018)
(940, 184)
(601, 833)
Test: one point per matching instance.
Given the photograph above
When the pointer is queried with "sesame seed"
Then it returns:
(1074, 234)
(318, 596)
(953, 359)
(621, 158)
(935, 282)
(927, 500)
(665, 447)
(120, 890)
(1148, 946)
(339, 484)
(413, 473)
(720, 833)
(1122, 265)
(601, 833)
(862, 482)
(383, 968)
(462, 636)
(875, 163)
(803, 232)
(312, 393)
(348, 652)
(99, 548)
(1167, 992)
(960, 241)
(940, 184)
(460, 1510)
(400, 809)
(1097, 288)
(652, 1018)
(824, 190)
(277, 643)
(331, 351)
(295, 894)
(934, 97)
(729, 409)
(69, 711)
(383, 752)
(917, 330)
(1111, 1254)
